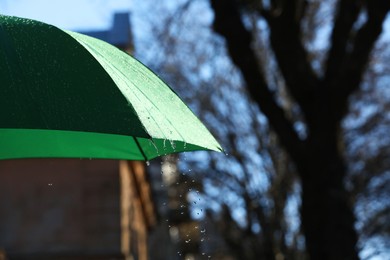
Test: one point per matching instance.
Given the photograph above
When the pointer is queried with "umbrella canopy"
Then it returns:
(68, 95)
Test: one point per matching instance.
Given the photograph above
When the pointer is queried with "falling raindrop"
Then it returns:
(173, 144)
(155, 146)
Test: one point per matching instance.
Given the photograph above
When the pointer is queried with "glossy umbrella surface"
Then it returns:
(68, 95)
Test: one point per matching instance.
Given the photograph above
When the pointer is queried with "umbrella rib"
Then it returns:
(140, 148)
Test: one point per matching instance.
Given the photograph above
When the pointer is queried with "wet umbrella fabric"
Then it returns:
(67, 95)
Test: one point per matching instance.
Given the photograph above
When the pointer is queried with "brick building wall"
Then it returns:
(60, 207)
(75, 209)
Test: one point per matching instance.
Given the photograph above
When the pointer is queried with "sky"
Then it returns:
(67, 14)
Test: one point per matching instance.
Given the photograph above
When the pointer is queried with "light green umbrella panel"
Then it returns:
(67, 95)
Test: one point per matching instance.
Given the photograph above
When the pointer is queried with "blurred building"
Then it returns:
(120, 33)
(77, 209)
(74, 209)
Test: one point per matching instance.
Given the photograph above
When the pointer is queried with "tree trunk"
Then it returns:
(326, 213)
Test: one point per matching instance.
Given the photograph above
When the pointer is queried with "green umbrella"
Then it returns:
(67, 95)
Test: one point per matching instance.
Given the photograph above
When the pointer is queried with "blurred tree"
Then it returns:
(322, 98)
(301, 82)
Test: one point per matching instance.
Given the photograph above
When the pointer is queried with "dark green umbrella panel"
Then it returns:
(67, 95)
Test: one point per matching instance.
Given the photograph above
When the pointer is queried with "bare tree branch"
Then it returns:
(291, 55)
(347, 13)
(227, 22)
(352, 69)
